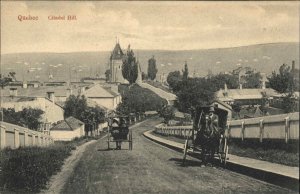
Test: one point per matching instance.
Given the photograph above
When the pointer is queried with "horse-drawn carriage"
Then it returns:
(119, 132)
(208, 137)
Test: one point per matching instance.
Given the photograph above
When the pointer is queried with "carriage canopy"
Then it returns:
(203, 110)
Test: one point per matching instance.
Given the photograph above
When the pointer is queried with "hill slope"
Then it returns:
(263, 57)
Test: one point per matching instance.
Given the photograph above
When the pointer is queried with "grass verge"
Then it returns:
(271, 151)
(27, 169)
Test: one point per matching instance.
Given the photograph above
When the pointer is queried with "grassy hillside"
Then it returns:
(263, 57)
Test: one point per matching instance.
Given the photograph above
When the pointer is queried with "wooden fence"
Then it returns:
(14, 136)
(284, 126)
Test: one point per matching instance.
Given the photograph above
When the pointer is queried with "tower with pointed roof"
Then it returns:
(115, 65)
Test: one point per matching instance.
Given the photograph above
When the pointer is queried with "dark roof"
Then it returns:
(69, 124)
(223, 103)
(117, 53)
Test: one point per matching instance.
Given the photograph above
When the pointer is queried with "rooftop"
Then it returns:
(98, 91)
(69, 124)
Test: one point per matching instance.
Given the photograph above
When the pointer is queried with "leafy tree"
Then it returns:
(220, 80)
(76, 106)
(197, 92)
(130, 67)
(236, 107)
(107, 75)
(152, 70)
(28, 117)
(167, 112)
(185, 72)
(173, 79)
(12, 75)
(144, 76)
(251, 79)
(283, 81)
(136, 99)
(289, 103)
(5, 80)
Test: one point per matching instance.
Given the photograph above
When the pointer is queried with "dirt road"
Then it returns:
(151, 168)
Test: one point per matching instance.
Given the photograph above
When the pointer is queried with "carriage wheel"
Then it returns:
(185, 148)
(108, 139)
(130, 140)
(225, 151)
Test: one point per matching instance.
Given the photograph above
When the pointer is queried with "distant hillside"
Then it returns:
(263, 57)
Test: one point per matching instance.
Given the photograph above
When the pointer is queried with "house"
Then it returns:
(107, 97)
(52, 111)
(244, 96)
(67, 129)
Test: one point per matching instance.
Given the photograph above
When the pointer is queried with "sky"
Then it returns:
(145, 25)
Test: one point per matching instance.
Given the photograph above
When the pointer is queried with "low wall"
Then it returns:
(14, 136)
(283, 127)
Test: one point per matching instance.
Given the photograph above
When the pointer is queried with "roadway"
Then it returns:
(152, 168)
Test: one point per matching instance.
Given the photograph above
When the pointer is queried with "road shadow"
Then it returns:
(179, 162)
(112, 149)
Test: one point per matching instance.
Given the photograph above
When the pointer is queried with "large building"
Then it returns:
(115, 65)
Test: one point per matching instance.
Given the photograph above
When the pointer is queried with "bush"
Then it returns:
(28, 169)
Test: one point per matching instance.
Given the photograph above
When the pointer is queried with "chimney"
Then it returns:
(51, 96)
(13, 92)
(24, 84)
(241, 86)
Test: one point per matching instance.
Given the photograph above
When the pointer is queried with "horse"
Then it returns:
(208, 137)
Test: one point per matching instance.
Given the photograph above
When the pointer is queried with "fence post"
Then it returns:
(39, 139)
(2, 137)
(243, 130)
(17, 138)
(26, 138)
(261, 130)
(33, 139)
(287, 129)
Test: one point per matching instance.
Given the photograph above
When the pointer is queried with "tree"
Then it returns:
(185, 72)
(251, 79)
(173, 79)
(12, 75)
(196, 92)
(76, 106)
(136, 99)
(5, 80)
(130, 67)
(28, 117)
(152, 70)
(282, 82)
(144, 76)
(107, 75)
(167, 112)
(236, 107)
(220, 80)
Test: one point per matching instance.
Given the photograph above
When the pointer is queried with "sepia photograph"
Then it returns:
(144, 97)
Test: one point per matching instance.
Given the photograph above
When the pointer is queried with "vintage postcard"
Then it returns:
(149, 97)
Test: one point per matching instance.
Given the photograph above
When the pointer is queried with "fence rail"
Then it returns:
(14, 136)
(284, 127)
